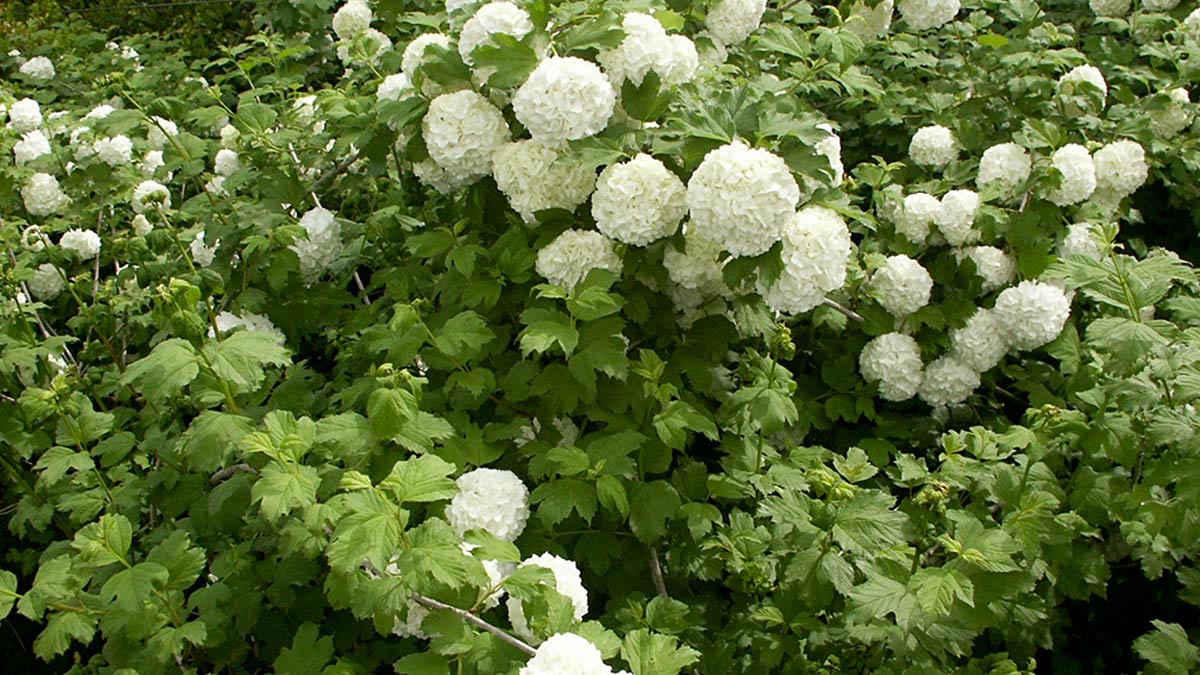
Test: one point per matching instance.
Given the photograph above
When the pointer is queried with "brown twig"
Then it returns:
(228, 471)
(333, 173)
(476, 621)
(656, 574)
(849, 313)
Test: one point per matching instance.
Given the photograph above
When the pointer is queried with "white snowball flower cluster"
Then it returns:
(567, 582)
(916, 216)
(894, 360)
(529, 175)
(1191, 25)
(647, 47)
(1159, 5)
(1080, 240)
(742, 198)
(830, 148)
(99, 112)
(380, 44)
(816, 248)
(305, 108)
(114, 150)
(494, 18)
(956, 216)
(393, 88)
(84, 242)
(639, 201)
(414, 58)
(568, 259)
(24, 115)
(1078, 175)
(352, 19)
(227, 162)
(926, 14)
(995, 267)
(39, 69)
(1175, 117)
(33, 239)
(47, 282)
(203, 254)
(150, 195)
(902, 286)
(567, 654)
(1120, 170)
(42, 195)
(564, 99)
(947, 381)
(160, 130)
(979, 344)
(324, 243)
(151, 163)
(461, 132)
(870, 23)
(32, 145)
(732, 21)
(229, 135)
(490, 499)
(1005, 166)
(1068, 85)
(1032, 313)
(142, 225)
(696, 267)
(227, 321)
(933, 147)
(445, 182)
(1110, 7)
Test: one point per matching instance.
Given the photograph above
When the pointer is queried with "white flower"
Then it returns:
(995, 267)
(352, 19)
(462, 130)
(445, 182)
(870, 23)
(678, 61)
(371, 39)
(1159, 5)
(947, 381)
(150, 195)
(894, 360)
(732, 21)
(415, 614)
(816, 248)
(229, 135)
(47, 282)
(902, 286)
(742, 198)
(1120, 170)
(414, 57)
(566, 581)
(696, 267)
(393, 87)
(917, 216)
(114, 151)
(38, 69)
(568, 259)
(956, 216)
(933, 147)
(152, 162)
(1068, 85)
(830, 147)
(305, 108)
(216, 185)
(227, 321)
(567, 654)
(202, 254)
(564, 99)
(889, 205)
(160, 130)
(99, 112)
(1175, 117)
(981, 343)
(639, 201)
(1078, 175)
(33, 239)
(32, 145)
(227, 162)
(1110, 7)
(1191, 24)
(1080, 240)
(529, 175)
(1031, 313)
(142, 225)
(1006, 166)
(323, 245)
(24, 115)
(492, 500)
(647, 47)
(84, 242)
(925, 14)
(42, 195)
(494, 18)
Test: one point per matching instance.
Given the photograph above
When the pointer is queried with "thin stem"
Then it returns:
(849, 313)
(476, 621)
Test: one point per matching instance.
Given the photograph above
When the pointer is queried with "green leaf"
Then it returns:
(653, 654)
(239, 358)
(371, 531)
(596, 34)
(308, 654)
(881, 596)
(645, 102)
(130, 588)
(463, 336)
(867, 524)
(106, 541)
(57, 461)
(489, 547)
(512, 59)
(388, 410)
(183, 562)
(282, 488)
(589, 302)
(990, 550)
(937, 588)
(557, 498)
(676, 418)
(546, 327)
(256, 117)
(1168, 648)
(993, 40)
(62, 628)
(165, 371)
(210, 441)
(651, 505)
(423, 663)
(421, 479)
(8, 592)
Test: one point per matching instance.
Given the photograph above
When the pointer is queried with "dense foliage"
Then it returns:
(584, 337)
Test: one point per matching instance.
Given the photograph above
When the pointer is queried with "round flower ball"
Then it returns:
(462, 130)
(742, 198)
(1120, 169)
(732, 21)
(86, 243)
(445, 182)
(393, 88)
(1080, 240)
(42, 195)
(639, 201)
(530, 175)
(639, 52)
(995, 267)
(678, 61)
(947, 381)
(956, 216)
(113, 151)
(494, 18)
(32, 145)
(917, 216)
(1004, 166)
(870, 23)
(1159, 5)
(568, 259)
(566, 654)
(352, 19)
(39, 69)
(893, 360)
(1175, 117)
(1032, 314)
(47, 282)
(490, 499)
(1191, 25)
(414, 58)
(1078, 175)
(150, 195)
(564, 99)
(979, 344)
(567, 582)
(933, 147)
(925, 14)
(227, 162)
(24, 116)
(324, 242)
(1110, 7)
(816, 248)
(697, 266)
(902, 286)
(1069, 85)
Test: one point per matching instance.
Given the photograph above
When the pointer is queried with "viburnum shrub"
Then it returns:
(531, 337)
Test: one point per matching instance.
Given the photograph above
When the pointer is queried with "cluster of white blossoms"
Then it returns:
(203, 254)
(1078, 175)
(567, 654)
(647, 47)
(414, 57)
(227, 162)
(956, 216)
(742, 198)
(494, 18)
(1120, 170)
(47, 282)
(568, 259)
(567, 582)
(1068, 86)
(696, 267)
(901, 285)
(1191, 25)
(323, 245)
(228, 321)
(996, 268)
(24, 115)
(142, 225)
(462, 130)
(529, 175)
(816, 249)
(979, 344)
(1110, 7)
(352, 19)
(150, 195)
(926, 14)
(916, 216)
(39, 69)
(32, 145)
(933, 147)
(564, 99)
(1080, 240)
(1159, 5)
(732, 21)
(114, 150)
(870, 23)
(947, 381)
(160, 130)
(43, 196)
(490, 499)
(393, 88)
(1004, 166)
(86, 243)
(894, 360)
(33, 239)
(1175, 117)
(639, 201)
(1032, 313)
